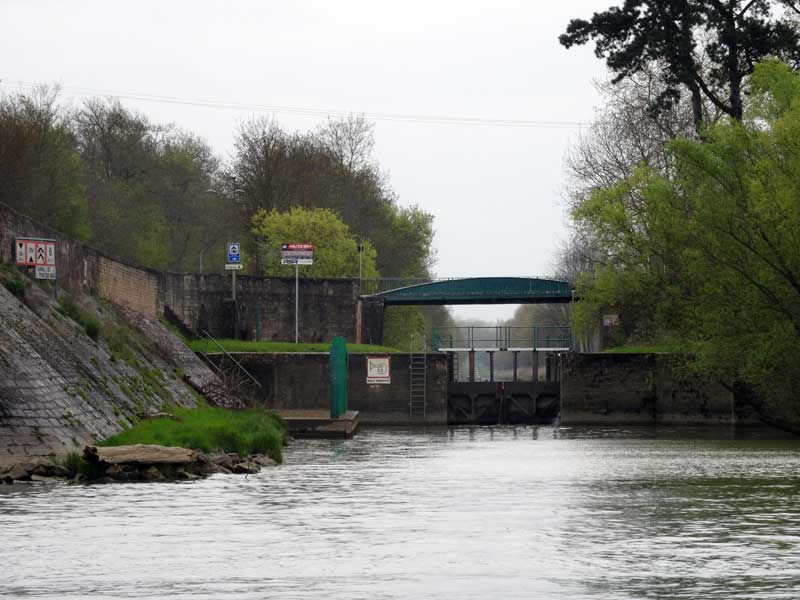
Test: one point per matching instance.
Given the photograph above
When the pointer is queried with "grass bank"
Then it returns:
(653, 349)
(210, 429)
(204, 345)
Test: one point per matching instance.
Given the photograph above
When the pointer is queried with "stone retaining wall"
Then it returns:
(638, 389)
(301, 381)
(265, 305)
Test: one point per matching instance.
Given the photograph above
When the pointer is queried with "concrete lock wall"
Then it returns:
(301, 381)
(638, 389)
(265, 308)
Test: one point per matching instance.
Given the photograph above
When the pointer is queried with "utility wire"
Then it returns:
(304, 111)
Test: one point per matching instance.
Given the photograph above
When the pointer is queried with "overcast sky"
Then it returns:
(495, 191)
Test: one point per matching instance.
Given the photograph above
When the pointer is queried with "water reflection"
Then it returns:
(502, 512)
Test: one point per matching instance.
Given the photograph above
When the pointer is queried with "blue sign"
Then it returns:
(234, 253)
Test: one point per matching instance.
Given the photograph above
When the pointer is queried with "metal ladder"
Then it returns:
(418, 369)
(456, 367)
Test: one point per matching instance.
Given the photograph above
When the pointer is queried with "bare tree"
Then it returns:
(349, 139)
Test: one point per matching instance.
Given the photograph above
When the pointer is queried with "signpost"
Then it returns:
(297, 254)
(234, 263)
(39, 253)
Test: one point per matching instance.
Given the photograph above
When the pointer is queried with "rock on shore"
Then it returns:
(140, 462)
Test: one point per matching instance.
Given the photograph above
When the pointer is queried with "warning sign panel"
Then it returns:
(36, 252)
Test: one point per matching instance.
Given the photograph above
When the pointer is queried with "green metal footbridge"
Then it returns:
(471, 290)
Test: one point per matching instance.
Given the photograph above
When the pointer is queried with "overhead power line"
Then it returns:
(304, 111)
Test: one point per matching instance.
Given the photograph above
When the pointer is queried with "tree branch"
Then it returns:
(745, 9)
(712, 96)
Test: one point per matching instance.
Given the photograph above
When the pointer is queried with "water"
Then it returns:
(464, 513)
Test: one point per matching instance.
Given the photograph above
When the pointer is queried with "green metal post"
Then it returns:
(338, 373)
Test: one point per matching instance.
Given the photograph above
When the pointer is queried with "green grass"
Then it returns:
(653, 349)
(266, 347)
(210, 429)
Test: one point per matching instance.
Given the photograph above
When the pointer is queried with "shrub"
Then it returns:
(73, 462)
(12, 280)
(90, 325)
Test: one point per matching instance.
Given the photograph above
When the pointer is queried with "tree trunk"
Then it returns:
(734, 73)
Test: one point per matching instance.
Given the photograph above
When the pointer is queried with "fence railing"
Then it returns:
(503, 338)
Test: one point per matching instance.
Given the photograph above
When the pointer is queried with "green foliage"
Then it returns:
(404, 326)
(211, 429)
(710, 258)
(332, 168)
(654, 349)
(68, 308)
(335, 249)
(40, 170)
(201, 345)
(73, 462)
(12, 280)
(158, 196)
(704, 48)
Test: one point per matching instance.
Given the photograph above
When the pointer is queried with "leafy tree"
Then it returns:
(148, 189)
(332, 168)
(335, 248)
(707, 48)
(40, 171)
(712, 254)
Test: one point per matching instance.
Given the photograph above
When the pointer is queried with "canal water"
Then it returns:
(527, 512)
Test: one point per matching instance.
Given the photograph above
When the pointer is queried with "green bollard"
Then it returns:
(338, 377)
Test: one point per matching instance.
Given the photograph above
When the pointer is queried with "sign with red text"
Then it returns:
(297, 254)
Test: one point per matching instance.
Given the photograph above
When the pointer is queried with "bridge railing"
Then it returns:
(555, 338)
(385, 284)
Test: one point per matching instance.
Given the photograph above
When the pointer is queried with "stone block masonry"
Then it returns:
(266, 306)
(59, 389)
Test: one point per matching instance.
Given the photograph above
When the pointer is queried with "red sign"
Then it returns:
(295, 247)
(35, 252)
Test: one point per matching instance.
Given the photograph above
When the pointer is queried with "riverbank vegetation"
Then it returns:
(685, 198)
(207, 346)
(210, 429)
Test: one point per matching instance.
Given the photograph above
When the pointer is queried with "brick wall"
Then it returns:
(130, 287)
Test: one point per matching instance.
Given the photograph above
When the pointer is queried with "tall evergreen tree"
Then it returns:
(707, 48)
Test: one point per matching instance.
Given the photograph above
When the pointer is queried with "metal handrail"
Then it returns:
(229, 355)
(502, 337)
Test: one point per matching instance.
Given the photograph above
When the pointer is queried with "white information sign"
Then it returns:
(233, 267)
(45, 272)
(379, 370)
